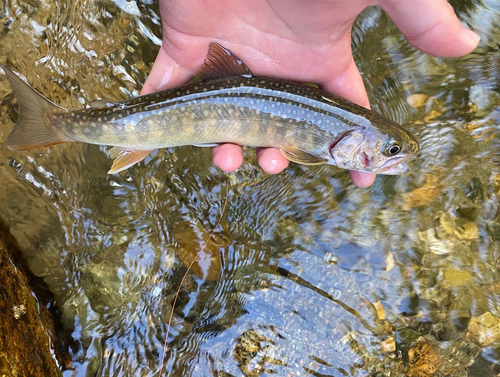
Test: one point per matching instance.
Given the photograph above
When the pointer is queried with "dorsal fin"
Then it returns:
(221, 62)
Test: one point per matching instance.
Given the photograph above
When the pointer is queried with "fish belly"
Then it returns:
(187, 125)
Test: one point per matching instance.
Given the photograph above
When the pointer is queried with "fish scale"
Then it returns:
(245, 104)
(228, 105)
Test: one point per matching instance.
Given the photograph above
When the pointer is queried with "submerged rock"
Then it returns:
(484, 329)
(422, 361)
(27, 329)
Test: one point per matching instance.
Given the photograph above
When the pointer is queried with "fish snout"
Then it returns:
(394, 166)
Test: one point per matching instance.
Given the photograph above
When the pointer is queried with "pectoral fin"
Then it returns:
(301, 157)
(124, 158)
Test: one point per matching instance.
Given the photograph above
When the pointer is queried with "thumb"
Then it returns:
(166, 73)
(431, 26)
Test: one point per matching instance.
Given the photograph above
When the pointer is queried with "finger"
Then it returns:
(228, 157)
(271, 160)
(166, 73)
(349, 85)
(431, 26)
(362, 179)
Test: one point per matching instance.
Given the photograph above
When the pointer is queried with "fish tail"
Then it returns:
(33, 129)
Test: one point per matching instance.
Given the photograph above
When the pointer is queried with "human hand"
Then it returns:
(304, 41)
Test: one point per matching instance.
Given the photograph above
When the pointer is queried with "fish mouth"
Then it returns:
(394, 166)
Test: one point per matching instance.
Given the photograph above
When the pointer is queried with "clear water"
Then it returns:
(307, 274)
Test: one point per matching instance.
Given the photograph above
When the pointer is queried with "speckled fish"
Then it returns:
(227, 105)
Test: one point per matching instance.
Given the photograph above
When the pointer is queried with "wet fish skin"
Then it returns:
(248, 111)
(307, 124)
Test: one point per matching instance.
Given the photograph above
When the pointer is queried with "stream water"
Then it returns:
(307, 274)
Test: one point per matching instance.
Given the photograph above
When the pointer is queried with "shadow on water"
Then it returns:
(307, 275)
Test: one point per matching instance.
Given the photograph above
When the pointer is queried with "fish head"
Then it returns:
(370, 150)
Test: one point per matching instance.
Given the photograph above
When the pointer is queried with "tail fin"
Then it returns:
(32, 130)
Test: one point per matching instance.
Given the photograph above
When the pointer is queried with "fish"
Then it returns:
(228, 104)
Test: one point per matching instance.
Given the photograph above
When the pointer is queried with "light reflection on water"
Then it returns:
(307, 274)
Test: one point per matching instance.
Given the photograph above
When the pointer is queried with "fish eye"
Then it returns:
(392, 148)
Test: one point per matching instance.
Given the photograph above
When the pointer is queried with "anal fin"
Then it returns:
(301, 157)
(124, 158)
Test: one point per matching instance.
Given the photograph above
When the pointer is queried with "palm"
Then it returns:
(307, 41)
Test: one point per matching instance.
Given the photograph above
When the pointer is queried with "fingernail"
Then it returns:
(166, 77)
(472, 36)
